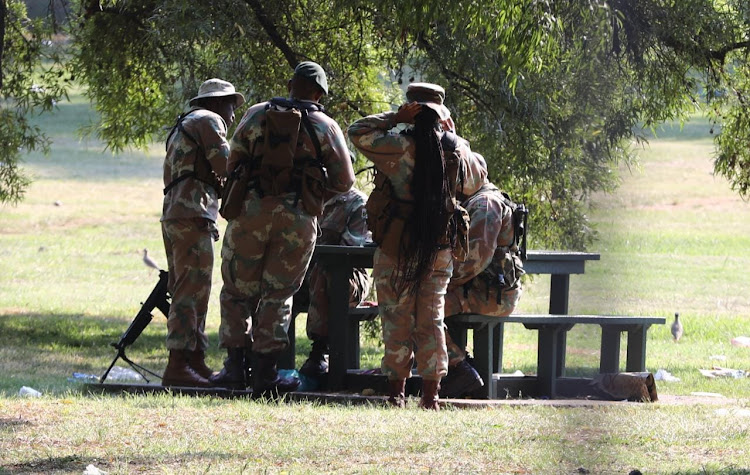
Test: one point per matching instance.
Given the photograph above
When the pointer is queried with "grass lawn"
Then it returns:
(673, 239)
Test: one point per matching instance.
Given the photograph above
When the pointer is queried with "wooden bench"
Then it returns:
(549, 380)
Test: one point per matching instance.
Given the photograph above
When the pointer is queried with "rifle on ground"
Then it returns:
(159, 298)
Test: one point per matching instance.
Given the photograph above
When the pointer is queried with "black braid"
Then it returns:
(431, 196)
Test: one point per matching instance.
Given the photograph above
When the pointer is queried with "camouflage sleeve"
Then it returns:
(474, 169)
(212, 135)
(337, 160)
(486, 224)
(241, 146)
(371, 137)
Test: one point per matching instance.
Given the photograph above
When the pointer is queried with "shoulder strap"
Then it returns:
(313, 136)
(178, 126)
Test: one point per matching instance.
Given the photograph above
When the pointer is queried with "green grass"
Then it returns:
(673, 239)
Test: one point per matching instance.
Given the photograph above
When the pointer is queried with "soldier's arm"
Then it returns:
(371, 137)
(356, 226)
(337, 161)
(213, 137)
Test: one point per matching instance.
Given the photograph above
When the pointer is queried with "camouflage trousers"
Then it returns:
(413, 324)
(189, 245)
(317, 313)
(264, 257)
(477, 299)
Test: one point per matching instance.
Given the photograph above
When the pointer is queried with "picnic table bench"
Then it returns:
(344, 349)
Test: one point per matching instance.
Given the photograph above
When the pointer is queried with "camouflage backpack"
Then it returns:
(281, 167)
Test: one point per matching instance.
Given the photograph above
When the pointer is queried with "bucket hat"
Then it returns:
(218, 88)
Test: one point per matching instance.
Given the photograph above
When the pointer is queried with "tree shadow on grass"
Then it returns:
(78, 464)
(44, 350)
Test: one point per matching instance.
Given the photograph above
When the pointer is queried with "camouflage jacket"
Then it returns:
(491, 228)
(335, 154)
(191, 198)
(393, 154)
(344, 220)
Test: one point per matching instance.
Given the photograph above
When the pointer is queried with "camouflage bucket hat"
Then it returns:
(218, 88)
(430, 95)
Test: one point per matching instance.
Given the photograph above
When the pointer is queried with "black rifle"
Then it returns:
(159, 298)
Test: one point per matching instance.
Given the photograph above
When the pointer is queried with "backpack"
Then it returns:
(506, 268)
(202, 170)
(279, 168)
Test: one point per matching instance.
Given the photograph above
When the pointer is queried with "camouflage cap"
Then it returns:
(218, 88)
(314, 72)
(430, 95)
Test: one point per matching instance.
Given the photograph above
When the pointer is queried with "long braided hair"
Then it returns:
(432, 198)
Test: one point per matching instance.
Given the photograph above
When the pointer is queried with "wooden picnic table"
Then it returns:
(339, 261)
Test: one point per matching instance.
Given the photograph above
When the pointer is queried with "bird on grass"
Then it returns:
(677, 327)
(150, 262)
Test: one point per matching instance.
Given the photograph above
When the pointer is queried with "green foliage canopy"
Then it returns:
(554, 94)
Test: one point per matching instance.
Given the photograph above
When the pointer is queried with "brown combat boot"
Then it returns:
(430, 389)
(197, 361)
(396, 388)
(179, 373)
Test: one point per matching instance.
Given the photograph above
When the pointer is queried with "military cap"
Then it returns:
(314, 72)
(430, 95)
(218, 88)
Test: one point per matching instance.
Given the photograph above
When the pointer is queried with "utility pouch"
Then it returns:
(460, 222)
(235, 190)
(314, 180)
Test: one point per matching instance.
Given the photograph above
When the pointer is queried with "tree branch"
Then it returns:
(270, 28)
(3, 13)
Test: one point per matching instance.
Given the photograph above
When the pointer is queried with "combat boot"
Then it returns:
(396, 389)
(461, 380)
(232, 375)
(266, 378)
(197, 361)
(430, 389)
(316, 364)
(179, 373)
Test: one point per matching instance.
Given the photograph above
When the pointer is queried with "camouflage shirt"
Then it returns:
(491, 227)
(344, 220)
(335, 154)
(393, 154)
(191, 198)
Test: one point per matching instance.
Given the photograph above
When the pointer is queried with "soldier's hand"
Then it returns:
(407, 112)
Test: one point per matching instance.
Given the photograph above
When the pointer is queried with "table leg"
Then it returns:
(636, 357)
(483, 348)
(609, 361)
(339, 345)
(558, 305)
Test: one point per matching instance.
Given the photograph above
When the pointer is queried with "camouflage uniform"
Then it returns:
(188, 226)
(409, 321)
(344, 223)
(475, 285)
(267, 249)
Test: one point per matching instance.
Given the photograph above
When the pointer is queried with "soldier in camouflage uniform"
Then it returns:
(194, 166)
(480, 284)
(412, 316)
(344, 223)
(267, 248)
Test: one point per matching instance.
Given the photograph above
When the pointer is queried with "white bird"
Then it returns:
(150, 262)
(676, 327)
